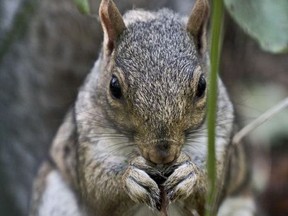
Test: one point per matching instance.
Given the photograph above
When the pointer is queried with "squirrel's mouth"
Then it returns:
(162, 154)
(159, 159)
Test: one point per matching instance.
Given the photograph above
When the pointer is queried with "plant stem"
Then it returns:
(216, 27)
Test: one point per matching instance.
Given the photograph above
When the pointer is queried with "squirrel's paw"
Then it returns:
(140, 186)
(181, 183)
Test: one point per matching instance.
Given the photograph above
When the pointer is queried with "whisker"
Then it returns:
(95, 135)
(120, 147)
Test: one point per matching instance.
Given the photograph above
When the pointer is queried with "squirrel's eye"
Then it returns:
(201, 86)
(115, 87)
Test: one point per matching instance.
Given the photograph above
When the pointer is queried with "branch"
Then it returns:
(259, 121)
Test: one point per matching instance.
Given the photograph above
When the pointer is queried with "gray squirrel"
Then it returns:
(135, 141)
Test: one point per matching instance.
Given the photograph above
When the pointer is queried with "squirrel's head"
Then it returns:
(153, 80)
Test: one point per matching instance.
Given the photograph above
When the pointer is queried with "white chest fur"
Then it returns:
(57, 198)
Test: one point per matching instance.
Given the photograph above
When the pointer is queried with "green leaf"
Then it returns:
(83, 6)
(264, 20)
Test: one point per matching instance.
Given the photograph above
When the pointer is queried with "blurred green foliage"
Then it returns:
(83, 6)
(264, 20)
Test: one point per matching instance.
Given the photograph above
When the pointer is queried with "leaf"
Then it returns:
(83, 6)
(264, 20)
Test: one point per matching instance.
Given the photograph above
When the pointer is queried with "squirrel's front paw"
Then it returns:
(182, 182)
(140, 186)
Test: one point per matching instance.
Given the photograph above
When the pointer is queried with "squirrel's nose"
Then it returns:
(163, 146)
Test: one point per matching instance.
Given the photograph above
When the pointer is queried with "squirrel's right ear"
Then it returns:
(197, 22)
(112, 24)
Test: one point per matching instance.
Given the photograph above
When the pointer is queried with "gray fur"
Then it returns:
(168, 59)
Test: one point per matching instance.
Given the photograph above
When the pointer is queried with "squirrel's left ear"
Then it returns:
(197, 22)
(112, 24)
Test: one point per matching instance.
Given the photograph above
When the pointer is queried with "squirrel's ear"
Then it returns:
(112, 24)
(197, 22)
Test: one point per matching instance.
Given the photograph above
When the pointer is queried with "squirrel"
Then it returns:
(134, 143)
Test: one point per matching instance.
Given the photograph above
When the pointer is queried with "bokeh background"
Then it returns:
(47, 48)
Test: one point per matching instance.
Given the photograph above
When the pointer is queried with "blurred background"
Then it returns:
(47, 47)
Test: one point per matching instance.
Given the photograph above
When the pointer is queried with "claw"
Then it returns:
(140, 183)
(181, 182)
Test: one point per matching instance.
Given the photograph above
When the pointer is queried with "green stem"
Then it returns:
(216, 27)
